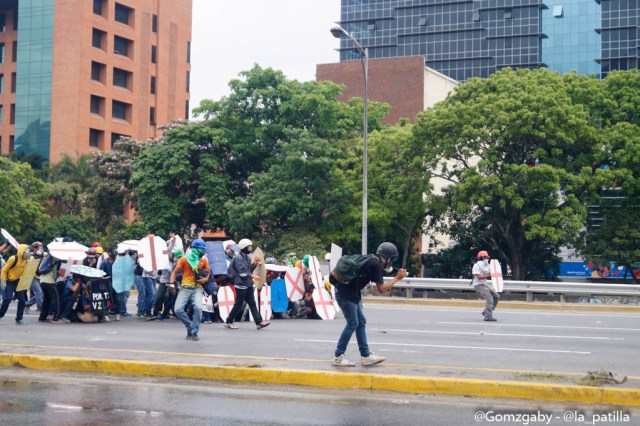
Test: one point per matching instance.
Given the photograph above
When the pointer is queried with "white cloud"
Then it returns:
(229, 36)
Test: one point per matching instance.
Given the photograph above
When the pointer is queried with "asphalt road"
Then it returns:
(416, 340)
(29, 398)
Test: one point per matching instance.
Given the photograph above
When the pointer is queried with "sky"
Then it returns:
(230, 36)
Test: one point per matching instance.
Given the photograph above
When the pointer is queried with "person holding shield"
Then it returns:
(11, 273)
(481, 271)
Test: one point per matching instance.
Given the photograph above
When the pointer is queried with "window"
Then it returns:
(476, 15)
(152, 116)
(1, 83)
(154, 23)
(423, 21)
(12, 116)
(115, 137)
(96, 138)
(123, 14)
(3, 22)
(14, 79)
(557, 11)
(1, 53)
(154, 54)
(97, 105)
(14, 51)
(98, 38)
(98, 6)
(121, 45)
(152, 89)
(120, 110)
(98, 71)
(186, 110)
(0, 114)
(508, 13)
(371, 25)
(188, 52)
(122, 78)
(188, 81)
(12, 143)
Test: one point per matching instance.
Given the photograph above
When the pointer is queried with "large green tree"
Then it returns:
(518, 152)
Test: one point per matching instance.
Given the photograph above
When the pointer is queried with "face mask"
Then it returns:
(38, 253)
(486, 261)
(26, 254)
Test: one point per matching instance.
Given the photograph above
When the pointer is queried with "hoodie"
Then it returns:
(13, 269)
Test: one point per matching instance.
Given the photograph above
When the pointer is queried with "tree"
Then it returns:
(22, 196)
(519, 155)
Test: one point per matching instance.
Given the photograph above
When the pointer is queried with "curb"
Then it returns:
(330, 379)
(547, 306)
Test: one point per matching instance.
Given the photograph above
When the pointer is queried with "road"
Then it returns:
(417, 340)
(28, 397)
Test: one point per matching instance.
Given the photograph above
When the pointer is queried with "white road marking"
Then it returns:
(489, 333)
(573, 327)
(505, 310)
(63, 407)
(488, 348)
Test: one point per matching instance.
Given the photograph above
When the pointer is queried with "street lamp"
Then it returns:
(340, 32)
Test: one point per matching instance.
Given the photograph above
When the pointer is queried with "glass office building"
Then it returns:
(467, 38)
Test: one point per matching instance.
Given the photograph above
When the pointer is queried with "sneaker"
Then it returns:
(141, 316)
(60, 321)
(263, 324)
(21, 322)
(208, 322)
(231, 325)
(342, 361)
(372, 359)
(127, 314)
(151, 317)
(117, 317)
(195, 337)
(189, 335)
(43, 320)
(66, 320)
(103, 319)
(490, 319)
(160, 319)
(27, 309)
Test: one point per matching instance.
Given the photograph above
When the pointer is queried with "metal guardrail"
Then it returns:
(528, 287)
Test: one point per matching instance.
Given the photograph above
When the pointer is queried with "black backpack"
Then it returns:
(348, 267)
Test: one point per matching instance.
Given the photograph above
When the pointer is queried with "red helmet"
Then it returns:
(483, 253)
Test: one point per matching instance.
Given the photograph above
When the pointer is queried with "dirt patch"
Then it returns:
(599, 378)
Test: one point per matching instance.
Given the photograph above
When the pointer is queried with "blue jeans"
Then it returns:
(38, 296)
(146, 293)
(356, 322)
(8, 297)
(188, 295)
(121, 302)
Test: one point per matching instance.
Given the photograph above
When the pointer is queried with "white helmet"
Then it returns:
(244, 243)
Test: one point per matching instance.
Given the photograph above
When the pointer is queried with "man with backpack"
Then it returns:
(11, 273)
(351, 275)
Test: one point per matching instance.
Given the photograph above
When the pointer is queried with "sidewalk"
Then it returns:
(405, 378)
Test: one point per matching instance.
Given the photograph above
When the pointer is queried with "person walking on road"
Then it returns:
(11, 273)
(349, 298)
(481, 272)
(195, 273)
(241, 270)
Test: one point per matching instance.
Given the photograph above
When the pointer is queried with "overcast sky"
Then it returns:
(229, 36)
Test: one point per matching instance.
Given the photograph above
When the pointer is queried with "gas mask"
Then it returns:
(26, 254)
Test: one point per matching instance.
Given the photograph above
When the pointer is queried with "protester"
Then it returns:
(174, 242)
(83, 306)
(349, 298)
(107, 267)
(11, 273)
(48, 273)
(241, 271)
(228, 250)
(167, 293)
(195, 272)
(481, 272)
(35, 289)
(122, 281)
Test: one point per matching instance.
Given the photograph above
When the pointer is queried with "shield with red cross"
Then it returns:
(295, 284)
(226, 300)
(321, 297)
(153, 254)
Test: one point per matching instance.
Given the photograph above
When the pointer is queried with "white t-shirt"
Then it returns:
(480, 268)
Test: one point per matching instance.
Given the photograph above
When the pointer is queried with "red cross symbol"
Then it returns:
(63, 267)
(225, 306)
(265, 302)
(294, 278)
(322, 302)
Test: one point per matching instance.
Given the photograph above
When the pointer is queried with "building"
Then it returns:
(75, 76)
(475, 38)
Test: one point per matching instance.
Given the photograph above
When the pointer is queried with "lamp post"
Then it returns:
(340, 32)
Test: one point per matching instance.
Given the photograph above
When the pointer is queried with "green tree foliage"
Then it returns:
(79, 228)
(22, 195)
(487, 139)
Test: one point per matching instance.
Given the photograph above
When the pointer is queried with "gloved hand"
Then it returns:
(3, 284)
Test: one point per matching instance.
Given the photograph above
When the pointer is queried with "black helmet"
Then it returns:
(387, 250)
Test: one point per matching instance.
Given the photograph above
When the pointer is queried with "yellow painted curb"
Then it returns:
(332, 379)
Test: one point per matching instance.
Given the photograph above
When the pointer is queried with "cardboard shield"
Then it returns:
(207, 303)
(295, 284)
(279, 300)
(226, 300)
(122, 271)
(153, 254)
(9, 238)
(496, 276)
(28, 275)
(324, 303)
(87, 271)
(261, 269)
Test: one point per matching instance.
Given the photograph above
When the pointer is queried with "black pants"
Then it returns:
(9, 291)
(164, 296)
(51, 300)
(245, 295)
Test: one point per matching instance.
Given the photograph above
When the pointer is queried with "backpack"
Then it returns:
(348, 267)
(46, 265)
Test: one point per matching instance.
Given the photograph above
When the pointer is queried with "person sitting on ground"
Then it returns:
(307, 308)
(83, 307)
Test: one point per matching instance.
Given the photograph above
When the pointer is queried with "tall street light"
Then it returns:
(340, 32)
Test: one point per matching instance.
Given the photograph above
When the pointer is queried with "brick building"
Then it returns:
(77, 75)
